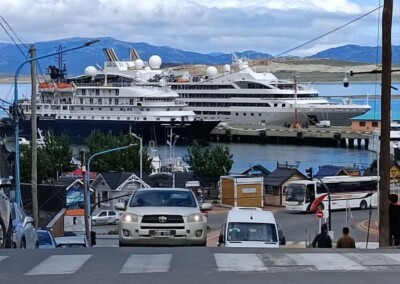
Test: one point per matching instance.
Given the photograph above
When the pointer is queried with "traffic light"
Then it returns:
(309, 173)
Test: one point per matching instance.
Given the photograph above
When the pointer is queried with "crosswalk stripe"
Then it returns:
(2, 257)
(327, 261)
(239, 262)
(147, 263)
(59, 264)
(395, 257)
(374, 260)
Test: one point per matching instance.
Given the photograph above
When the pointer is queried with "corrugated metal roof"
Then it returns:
(280, 175)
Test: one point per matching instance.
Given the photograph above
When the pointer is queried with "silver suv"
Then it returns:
(162, 216)
(5, 214)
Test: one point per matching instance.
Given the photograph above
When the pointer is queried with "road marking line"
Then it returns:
(327, 261)
(3, 257)
(239, 262)
(147, 263)
(373, 260)
(395, 257)
(60, 264)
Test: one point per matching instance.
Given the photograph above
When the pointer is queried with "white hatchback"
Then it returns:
(163, 217)
(105, 217)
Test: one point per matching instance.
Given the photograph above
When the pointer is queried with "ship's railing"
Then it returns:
(118, 85)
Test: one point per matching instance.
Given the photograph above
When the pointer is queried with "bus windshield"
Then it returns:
(258, 232)
(295, 192)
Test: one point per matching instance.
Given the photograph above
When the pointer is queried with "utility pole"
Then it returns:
(35, 205)
(384, 158)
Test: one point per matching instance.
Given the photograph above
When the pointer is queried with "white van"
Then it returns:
(250, 227)
(323, 124)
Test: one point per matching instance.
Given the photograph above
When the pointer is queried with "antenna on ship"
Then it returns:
(62, 67)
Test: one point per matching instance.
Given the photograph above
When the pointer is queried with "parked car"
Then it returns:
(162, 216)
(24, 232)
(105, 217)
(5, 214)
(323, 124)
(46, 239)
(79, 241)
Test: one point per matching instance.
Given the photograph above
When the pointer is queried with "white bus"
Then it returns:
(346, 191)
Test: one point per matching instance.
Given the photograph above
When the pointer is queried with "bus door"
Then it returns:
(310, 193)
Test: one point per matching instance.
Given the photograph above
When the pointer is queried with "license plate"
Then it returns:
(163, 233)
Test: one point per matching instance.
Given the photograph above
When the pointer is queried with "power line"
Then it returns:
(11, 37)
(309, 41)
(330, 32)
(16, 35)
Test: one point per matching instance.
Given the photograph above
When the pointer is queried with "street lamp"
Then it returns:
(141, 156)
(87, 185)
(16, 112)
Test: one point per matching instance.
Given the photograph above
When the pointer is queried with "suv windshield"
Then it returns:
(157, 198)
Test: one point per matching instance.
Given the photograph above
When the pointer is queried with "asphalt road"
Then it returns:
(198, 265)
(297, 227)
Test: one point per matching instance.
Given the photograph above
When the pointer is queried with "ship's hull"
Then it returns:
(306, 116)
(78, 130)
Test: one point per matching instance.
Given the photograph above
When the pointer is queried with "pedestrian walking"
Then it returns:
(394, 220)
(346, 241)
(322, 240)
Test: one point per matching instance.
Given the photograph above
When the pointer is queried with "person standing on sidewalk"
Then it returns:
(346, 241)
(394, 220)
(322, 240)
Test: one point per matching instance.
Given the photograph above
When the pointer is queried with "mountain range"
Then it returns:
(11, 56)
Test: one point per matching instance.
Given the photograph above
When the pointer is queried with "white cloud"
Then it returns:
(272, 26)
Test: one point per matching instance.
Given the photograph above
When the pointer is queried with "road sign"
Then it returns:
(319, 214)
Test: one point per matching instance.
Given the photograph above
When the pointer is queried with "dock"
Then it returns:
(335, 136)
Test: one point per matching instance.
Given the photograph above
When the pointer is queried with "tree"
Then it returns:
(209, 163)
(124, 160)
(54, 157)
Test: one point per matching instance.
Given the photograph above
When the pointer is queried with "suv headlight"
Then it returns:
(129, 217)
(197, 217)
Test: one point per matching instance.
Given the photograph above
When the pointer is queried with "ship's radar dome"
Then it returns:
(212, 71)
(155, 62)
(90, 71)
(139, 63)
(227, 68)
(162, 82)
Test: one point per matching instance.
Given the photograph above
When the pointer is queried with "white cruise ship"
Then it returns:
(110, 102)
(239, 95)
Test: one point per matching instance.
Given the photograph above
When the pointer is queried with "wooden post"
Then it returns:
(34, 182)
(384, 155)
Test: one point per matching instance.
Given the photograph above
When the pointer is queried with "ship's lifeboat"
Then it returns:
(47, 87)
(65, 87)
(183, 80)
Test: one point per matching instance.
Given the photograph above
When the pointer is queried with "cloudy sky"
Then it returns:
(272, 26)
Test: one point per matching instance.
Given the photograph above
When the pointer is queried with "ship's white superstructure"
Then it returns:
(239, 95)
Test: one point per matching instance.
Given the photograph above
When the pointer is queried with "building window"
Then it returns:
(374, 124)
(362, 123)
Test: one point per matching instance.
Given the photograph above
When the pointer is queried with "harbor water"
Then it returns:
(268, 155)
